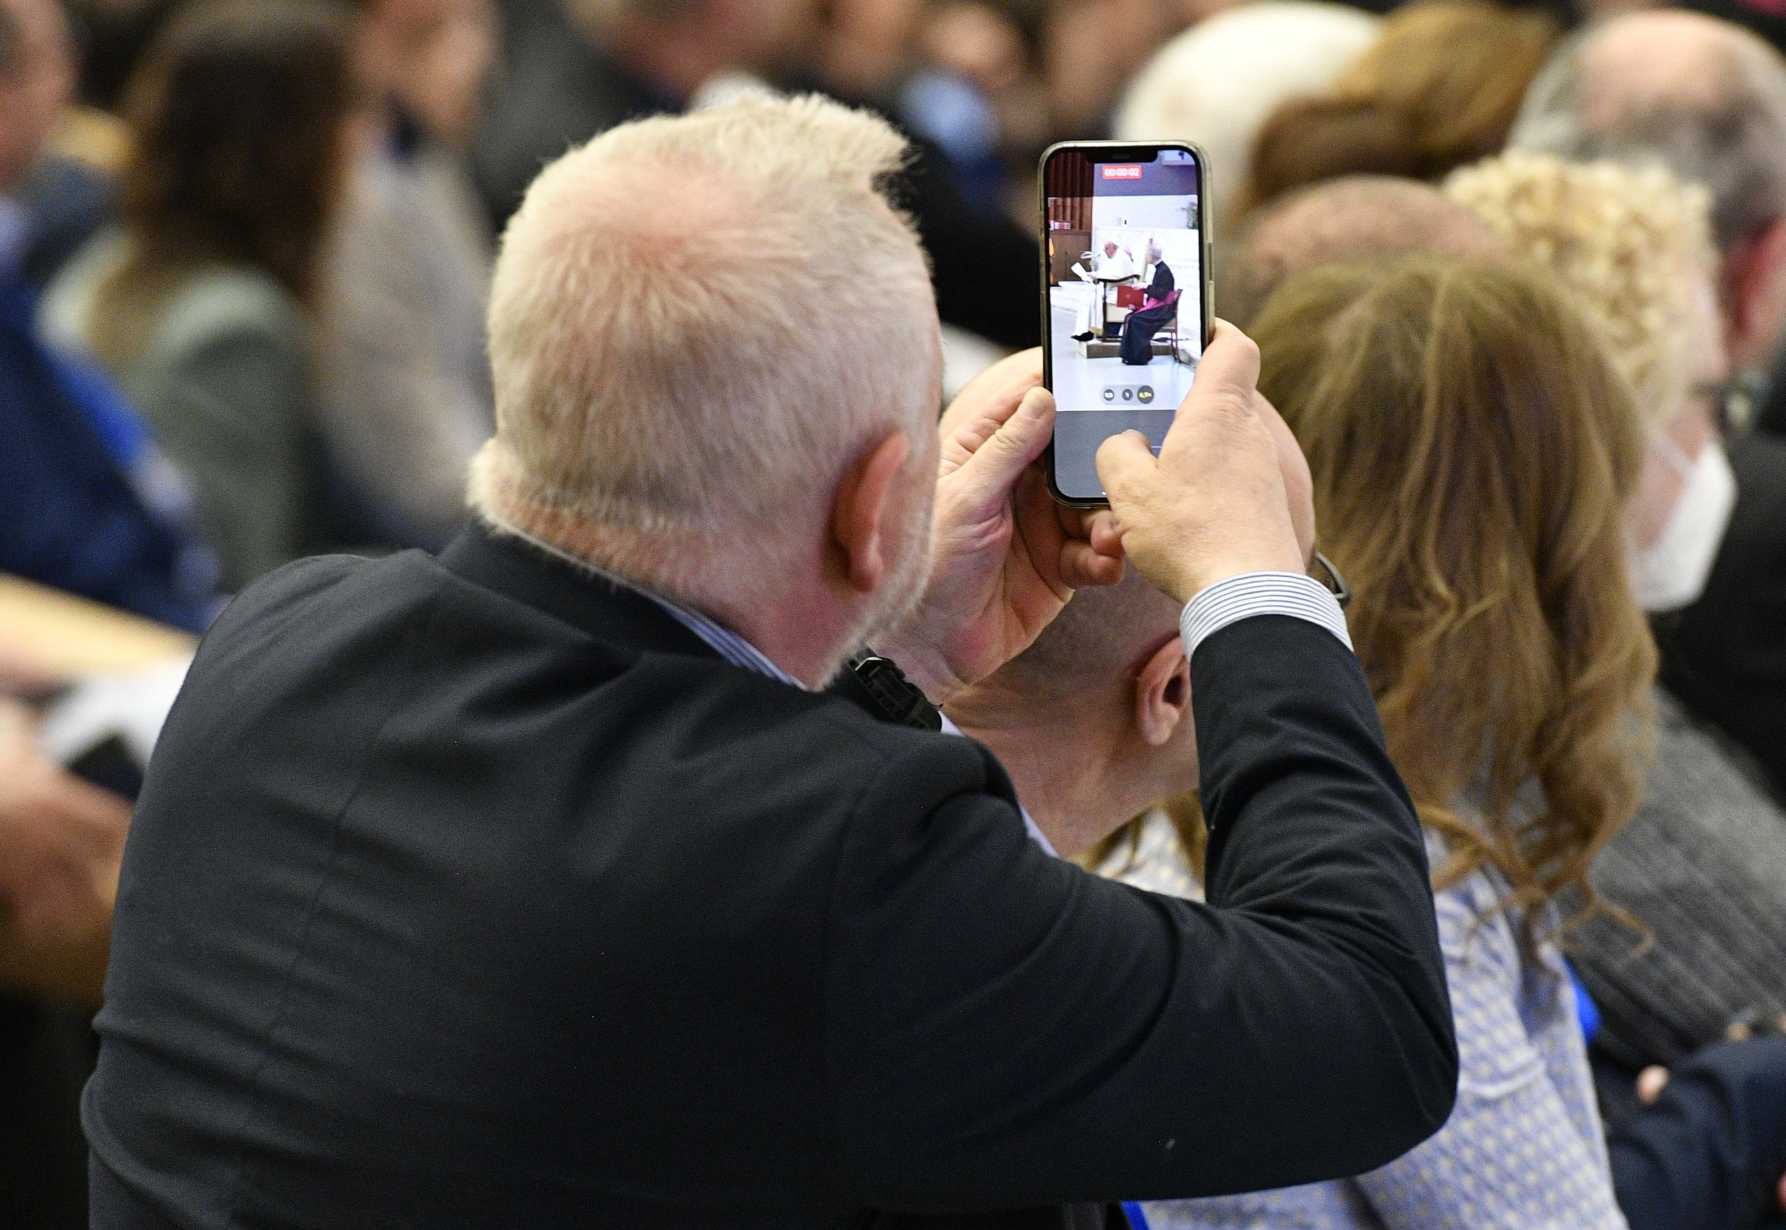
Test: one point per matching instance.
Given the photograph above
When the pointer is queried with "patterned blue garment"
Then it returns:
(1524, 1150)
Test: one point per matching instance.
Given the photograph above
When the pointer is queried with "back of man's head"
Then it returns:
(1096, 644)
(1702, 96)
(697, 324)
(1217, 82)
(1354, 218)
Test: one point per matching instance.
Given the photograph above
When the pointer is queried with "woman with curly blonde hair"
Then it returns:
(1471, 448)
(1632, 246)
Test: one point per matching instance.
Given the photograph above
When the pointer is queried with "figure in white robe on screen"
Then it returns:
(1114, 266)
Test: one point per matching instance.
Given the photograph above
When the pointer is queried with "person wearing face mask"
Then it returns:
(1701, 868)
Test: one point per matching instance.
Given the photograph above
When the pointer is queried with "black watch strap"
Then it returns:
(879, 686)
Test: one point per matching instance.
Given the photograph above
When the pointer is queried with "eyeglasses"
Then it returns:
(1322, 570)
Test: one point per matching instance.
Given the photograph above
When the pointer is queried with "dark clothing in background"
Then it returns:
(1725, 656)
(1702, 865)
(86, 502)
(474, 891)
(46, 1052)
(556, 89)
(1709, 1154)
(68, 203)
(559, 89)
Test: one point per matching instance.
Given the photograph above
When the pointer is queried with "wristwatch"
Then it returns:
(879, 686)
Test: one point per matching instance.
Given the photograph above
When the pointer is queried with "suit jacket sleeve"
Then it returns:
(1005, 1028)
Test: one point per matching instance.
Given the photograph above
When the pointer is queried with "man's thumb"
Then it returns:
(1124, 460)
(1019, 440)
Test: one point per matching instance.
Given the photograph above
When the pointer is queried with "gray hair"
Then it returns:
(1355, 217)
(697, 323)
(1731, 138)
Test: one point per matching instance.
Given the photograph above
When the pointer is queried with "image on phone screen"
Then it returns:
(1125, 298)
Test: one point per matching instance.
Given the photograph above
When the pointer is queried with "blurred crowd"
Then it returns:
(1518, 275)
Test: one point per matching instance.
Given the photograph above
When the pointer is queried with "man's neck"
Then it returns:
(799, 632)
(1075, 777)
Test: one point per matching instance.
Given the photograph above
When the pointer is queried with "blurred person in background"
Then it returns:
(1439, 88)
(405, 396)
(1702, 865)
(1353, 218)
(84, 507)
(60, 844)
(62, 198)
(571, 69)
(975, 92)
(1708, 100)
(1470, 447)
(245, 118)
(1217, 82)
(1090, 50)
(114, 35)
(574, 68)
(87, 502)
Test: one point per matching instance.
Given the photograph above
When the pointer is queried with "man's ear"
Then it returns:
(864, 508)
(1162, 693)
(1755, 294)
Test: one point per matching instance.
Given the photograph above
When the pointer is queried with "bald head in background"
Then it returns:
(1352, 218)
(1093, 720)
(1705, 98)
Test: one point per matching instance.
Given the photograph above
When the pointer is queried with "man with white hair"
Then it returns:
(1113, 266)
(1217, 82)
(537, 885)
(1707, 99)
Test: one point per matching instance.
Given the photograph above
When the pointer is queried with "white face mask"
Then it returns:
(1670, 572)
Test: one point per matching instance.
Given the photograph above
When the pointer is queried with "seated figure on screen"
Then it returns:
(1114, 266)
(1158, 307)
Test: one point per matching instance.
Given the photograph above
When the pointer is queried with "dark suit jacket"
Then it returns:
(1725, 656)
(473, 892)
(1162, 283)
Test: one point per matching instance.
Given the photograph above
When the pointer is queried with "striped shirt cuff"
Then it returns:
(1260, 593)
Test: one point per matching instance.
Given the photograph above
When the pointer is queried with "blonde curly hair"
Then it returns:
(1628, 242)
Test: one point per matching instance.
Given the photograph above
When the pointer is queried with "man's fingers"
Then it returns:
(1083, 566)
(1650, 1083)
(991, 397)
(1104, 533)
(995, 466)
(1124, 459)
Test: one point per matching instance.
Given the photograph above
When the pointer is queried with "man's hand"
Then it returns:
(1007, 557)
(61, 840)
(1215, 502)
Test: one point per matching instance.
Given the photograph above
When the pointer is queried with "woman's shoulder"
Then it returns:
(68, 299)
(217, 302)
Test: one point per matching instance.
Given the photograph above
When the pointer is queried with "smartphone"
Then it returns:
(1126, 295)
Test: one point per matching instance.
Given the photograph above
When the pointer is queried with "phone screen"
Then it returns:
(1124, 257)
